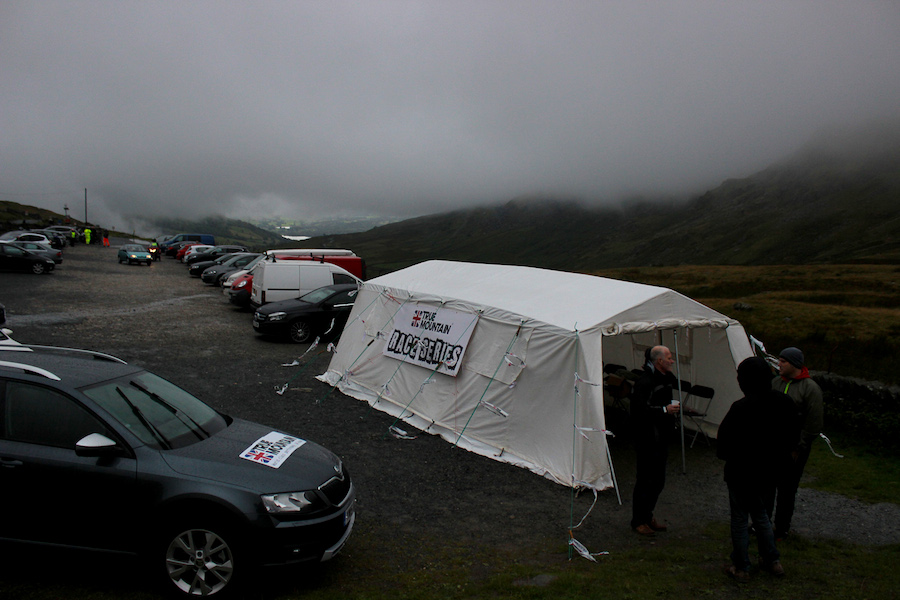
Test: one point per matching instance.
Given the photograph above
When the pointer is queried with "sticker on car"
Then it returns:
(272, 449)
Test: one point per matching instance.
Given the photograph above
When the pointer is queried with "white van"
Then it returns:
(274, 281)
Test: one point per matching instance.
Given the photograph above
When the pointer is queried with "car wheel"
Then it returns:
(201, 561)
(300, 331)
(37, 268)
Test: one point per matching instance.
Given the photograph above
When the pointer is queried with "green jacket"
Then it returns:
(807, 397)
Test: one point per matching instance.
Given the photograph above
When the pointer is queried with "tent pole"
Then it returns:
(680, 412)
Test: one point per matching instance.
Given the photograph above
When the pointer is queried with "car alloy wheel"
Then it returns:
(300, 331)
(37, 268)
(200, 562)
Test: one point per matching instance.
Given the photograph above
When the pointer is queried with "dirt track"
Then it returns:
(409, 490)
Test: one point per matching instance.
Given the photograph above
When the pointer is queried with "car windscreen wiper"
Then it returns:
(160, 438)
(175, 411)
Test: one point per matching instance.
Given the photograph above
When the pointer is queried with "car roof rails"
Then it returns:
(30, 369)
(63, 350)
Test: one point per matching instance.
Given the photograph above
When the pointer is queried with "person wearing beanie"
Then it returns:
(755, 439)
(793, 379)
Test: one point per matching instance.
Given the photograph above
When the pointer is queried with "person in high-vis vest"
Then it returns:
(793, 379)
(87, 236)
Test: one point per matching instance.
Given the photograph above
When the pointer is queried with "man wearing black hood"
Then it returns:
(755, 440)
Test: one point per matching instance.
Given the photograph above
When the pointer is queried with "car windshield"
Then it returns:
(158, 412)
(316, 296)
(132, 248)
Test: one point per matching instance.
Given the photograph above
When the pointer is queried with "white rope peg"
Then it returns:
(583, 551)
(400, 434)
(494, 409)
(280, 391)
(578, 380)
(513, 361)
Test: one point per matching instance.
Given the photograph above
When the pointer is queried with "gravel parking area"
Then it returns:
(424, 488)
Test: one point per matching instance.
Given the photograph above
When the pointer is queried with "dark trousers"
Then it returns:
(650, 481)
(750, 504)
(784, 499)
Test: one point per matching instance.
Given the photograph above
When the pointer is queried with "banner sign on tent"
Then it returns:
(430, 337)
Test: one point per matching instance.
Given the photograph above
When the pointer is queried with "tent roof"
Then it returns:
(566, 300)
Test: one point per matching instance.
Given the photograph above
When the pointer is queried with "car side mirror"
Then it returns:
(96, 444)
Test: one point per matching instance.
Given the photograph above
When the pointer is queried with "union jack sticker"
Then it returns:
(272, 449)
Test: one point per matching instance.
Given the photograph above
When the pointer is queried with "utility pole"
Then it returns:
(85, 206)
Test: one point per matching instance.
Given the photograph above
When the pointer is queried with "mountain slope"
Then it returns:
(824, 205)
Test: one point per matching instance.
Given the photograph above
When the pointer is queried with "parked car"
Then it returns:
(25, 236)
(214, 253)
(189, 251)
(195, 269)
(211, 271)
(323, 312)
(57, 239)
(173, 249)
(38, 248)
(134, 253)
(230, 278)
(146, 468)
(200, 238)
(13, 258)
(239, 291)
(65, 230)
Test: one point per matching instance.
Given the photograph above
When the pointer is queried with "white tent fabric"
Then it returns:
(529, 389)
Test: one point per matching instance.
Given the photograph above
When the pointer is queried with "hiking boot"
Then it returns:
(656, 525)
(737, 574)
(773, 567)
(645, 530)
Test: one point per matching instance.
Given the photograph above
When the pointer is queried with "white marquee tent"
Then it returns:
(507, 361)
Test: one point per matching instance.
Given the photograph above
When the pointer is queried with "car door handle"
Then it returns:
(9, 463)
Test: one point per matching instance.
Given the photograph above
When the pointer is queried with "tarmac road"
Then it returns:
(410, 491)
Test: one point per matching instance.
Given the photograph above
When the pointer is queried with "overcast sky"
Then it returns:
(409, 108)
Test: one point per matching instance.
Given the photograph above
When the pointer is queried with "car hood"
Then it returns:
(293, 305)
(203, 264)
(219, 458)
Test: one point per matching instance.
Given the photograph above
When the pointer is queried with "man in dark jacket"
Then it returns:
(755, 440)
(653, 414)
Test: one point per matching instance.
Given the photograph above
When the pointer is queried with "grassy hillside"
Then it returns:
(846, 318)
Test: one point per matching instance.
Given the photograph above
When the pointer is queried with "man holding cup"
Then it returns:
(654, 413)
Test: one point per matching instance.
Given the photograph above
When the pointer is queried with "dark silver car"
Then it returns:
(96, 453)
